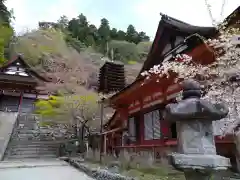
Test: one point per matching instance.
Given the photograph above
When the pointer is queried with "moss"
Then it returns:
(132, 62)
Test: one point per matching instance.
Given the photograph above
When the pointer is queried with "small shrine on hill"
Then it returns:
(18, 86)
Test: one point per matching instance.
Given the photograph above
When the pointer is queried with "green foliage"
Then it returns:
(63, 22)
(49, 107)
(132, 62)
(80, 32)
(6, 31)
(124, 51)
(76, 44)
(131, 34)
(82, 36)
(69, 106)
(5, 14)
(143, 49)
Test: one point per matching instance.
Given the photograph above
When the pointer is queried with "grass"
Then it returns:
(158, 172)
(154, 173)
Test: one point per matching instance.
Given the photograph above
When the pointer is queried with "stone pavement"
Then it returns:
(39, 170)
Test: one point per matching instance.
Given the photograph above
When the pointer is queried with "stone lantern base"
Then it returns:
(199, 166)
(198, 161)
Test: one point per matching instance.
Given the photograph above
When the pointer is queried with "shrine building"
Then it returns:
(139, 106)
(18, 86)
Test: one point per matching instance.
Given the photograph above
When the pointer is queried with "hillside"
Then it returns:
(44, 48)
(49, 46)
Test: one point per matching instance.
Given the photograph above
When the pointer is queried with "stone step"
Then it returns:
(37, 142)
(27, 152)
(22, 136)
(33, 156)
(27, 122)
(28, 141)
(36, 149)
(27, 128)
(14, 145)
(52, 153)
(27, 132)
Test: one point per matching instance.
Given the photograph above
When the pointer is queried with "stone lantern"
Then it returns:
(196, 154)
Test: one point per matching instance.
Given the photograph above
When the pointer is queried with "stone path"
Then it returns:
(39, 170)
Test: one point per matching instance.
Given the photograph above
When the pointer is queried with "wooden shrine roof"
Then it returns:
(168, 29)
(26, 66)
(233, 18)
(166, 25)
(194, 46)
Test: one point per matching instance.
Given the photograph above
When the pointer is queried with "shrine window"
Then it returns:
(152, 125)
(132, 129)
(166, 49)
(179, 40)
(13, 70)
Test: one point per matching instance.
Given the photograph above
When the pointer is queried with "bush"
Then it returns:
(73, 42)
(124, 51)
(132, 62)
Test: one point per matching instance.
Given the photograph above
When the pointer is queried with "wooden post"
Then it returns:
(104, 144)
(101, 128)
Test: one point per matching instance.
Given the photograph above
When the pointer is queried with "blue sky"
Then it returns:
(143, 14)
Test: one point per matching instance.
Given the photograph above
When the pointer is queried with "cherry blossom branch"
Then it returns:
(221, 78)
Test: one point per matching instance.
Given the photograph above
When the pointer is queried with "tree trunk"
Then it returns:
(237, 143)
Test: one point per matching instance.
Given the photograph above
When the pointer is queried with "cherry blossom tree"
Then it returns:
(220, 79)
(71, 102)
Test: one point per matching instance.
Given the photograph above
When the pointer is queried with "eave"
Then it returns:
(26, 66)
(201, 54)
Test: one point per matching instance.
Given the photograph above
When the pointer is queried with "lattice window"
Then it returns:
(152, 125)
(132, 129)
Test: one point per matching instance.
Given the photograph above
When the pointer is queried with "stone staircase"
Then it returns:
(30, 141)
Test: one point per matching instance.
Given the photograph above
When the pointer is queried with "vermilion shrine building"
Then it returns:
(18, 82)
(139, 106)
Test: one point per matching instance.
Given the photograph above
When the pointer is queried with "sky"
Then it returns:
(143, 14)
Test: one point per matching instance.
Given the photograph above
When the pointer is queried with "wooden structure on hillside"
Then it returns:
(139, 106)
(18, 82)
(111, 77)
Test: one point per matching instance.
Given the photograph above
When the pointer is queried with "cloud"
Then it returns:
(143, 14)
(193, 12)
(28, 13)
